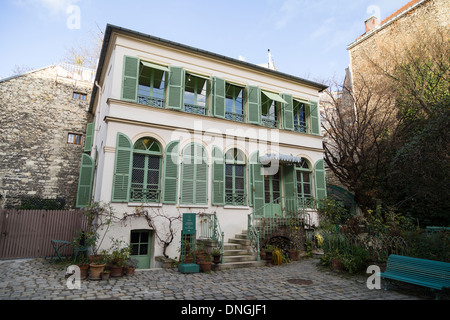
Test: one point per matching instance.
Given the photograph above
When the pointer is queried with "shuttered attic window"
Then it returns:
(195, 94)
(234, 103)
(152, 83)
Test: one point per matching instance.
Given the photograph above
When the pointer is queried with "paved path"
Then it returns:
(38, 280)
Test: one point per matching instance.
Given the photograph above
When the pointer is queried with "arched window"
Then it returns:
(145, 174)
(303, 171)
(235, 190)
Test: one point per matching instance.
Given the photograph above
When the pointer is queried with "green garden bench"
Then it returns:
(426, 273)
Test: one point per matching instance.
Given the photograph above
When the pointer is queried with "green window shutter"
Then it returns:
(122, 169)
(175, 88)
(252, 162)
(85, 181)
(290, 192)
(319, 177)
(218, 173)
(194, 175)
(89, 137)
(253, 104)
(130, 78)
(314, 115)
(188, 175)
(258, 188)
(219, 97)
(201, 183)
(170, 191)
(287, 110)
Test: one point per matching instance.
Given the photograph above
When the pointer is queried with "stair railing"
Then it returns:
(253, 236)
(267, 219)
(210, 229)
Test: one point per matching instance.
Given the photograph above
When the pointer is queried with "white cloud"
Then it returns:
(52, 7)
(288, 11)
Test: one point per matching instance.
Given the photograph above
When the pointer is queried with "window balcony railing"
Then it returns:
(145, 195)
(234, 116)
(151, 101)
(235, 199)
(269, 123)
(300, 126)
(195, 109)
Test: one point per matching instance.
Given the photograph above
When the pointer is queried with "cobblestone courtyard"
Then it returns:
(303, 280)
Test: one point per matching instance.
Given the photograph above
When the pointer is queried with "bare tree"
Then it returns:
(357, 132)
(86, 54)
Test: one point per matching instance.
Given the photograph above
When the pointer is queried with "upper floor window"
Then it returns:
(145, 174)
(152, 84)
(235, 191)
(79, 96)
(234, 106)
(300, 122)
(269, 112)
(195, 94)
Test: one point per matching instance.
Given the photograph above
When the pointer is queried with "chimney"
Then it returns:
(371, 23)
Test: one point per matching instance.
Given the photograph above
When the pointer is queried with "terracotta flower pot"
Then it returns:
(337, 264)
(95, 271)
(205, 266)
(105, 275)
(84, 268)
(116, 271)
(294, 255)
(128, 271)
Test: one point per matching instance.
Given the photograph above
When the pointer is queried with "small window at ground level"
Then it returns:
(74, 138)
(80, 96)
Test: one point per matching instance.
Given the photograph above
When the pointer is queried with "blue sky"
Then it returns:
(307, 39)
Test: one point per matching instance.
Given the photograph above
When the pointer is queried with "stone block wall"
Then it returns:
(385, 45)
(37, 112)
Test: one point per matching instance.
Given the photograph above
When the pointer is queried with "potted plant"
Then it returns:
(83, 264)
(294, 253)
(201, 253)
(205, 263)
(97, 266)
(186, 253)
(130, 265)
(120, 253)
(337, 261)
(269, 249)
(216, 254)
(105, 274)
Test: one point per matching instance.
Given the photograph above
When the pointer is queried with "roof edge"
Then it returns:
(112, 28)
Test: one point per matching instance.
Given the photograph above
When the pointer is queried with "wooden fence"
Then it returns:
(27, 233)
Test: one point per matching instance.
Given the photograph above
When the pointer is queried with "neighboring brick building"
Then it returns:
(43, 117)
(384, 40)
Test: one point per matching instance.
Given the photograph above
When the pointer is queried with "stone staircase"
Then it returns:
(238, 254)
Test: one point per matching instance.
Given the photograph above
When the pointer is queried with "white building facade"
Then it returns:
(180, 130)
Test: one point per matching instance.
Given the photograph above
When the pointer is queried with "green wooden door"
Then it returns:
(272, 195)
(141, 243)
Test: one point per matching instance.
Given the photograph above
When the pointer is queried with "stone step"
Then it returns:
(237, 252)
(235, 265)
(240, 236)
(239, 258)
(244, 242)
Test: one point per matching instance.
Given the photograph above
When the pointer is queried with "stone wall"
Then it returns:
(37, 112)
(385, 45)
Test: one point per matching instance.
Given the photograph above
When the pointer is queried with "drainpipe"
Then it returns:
(94, 141)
